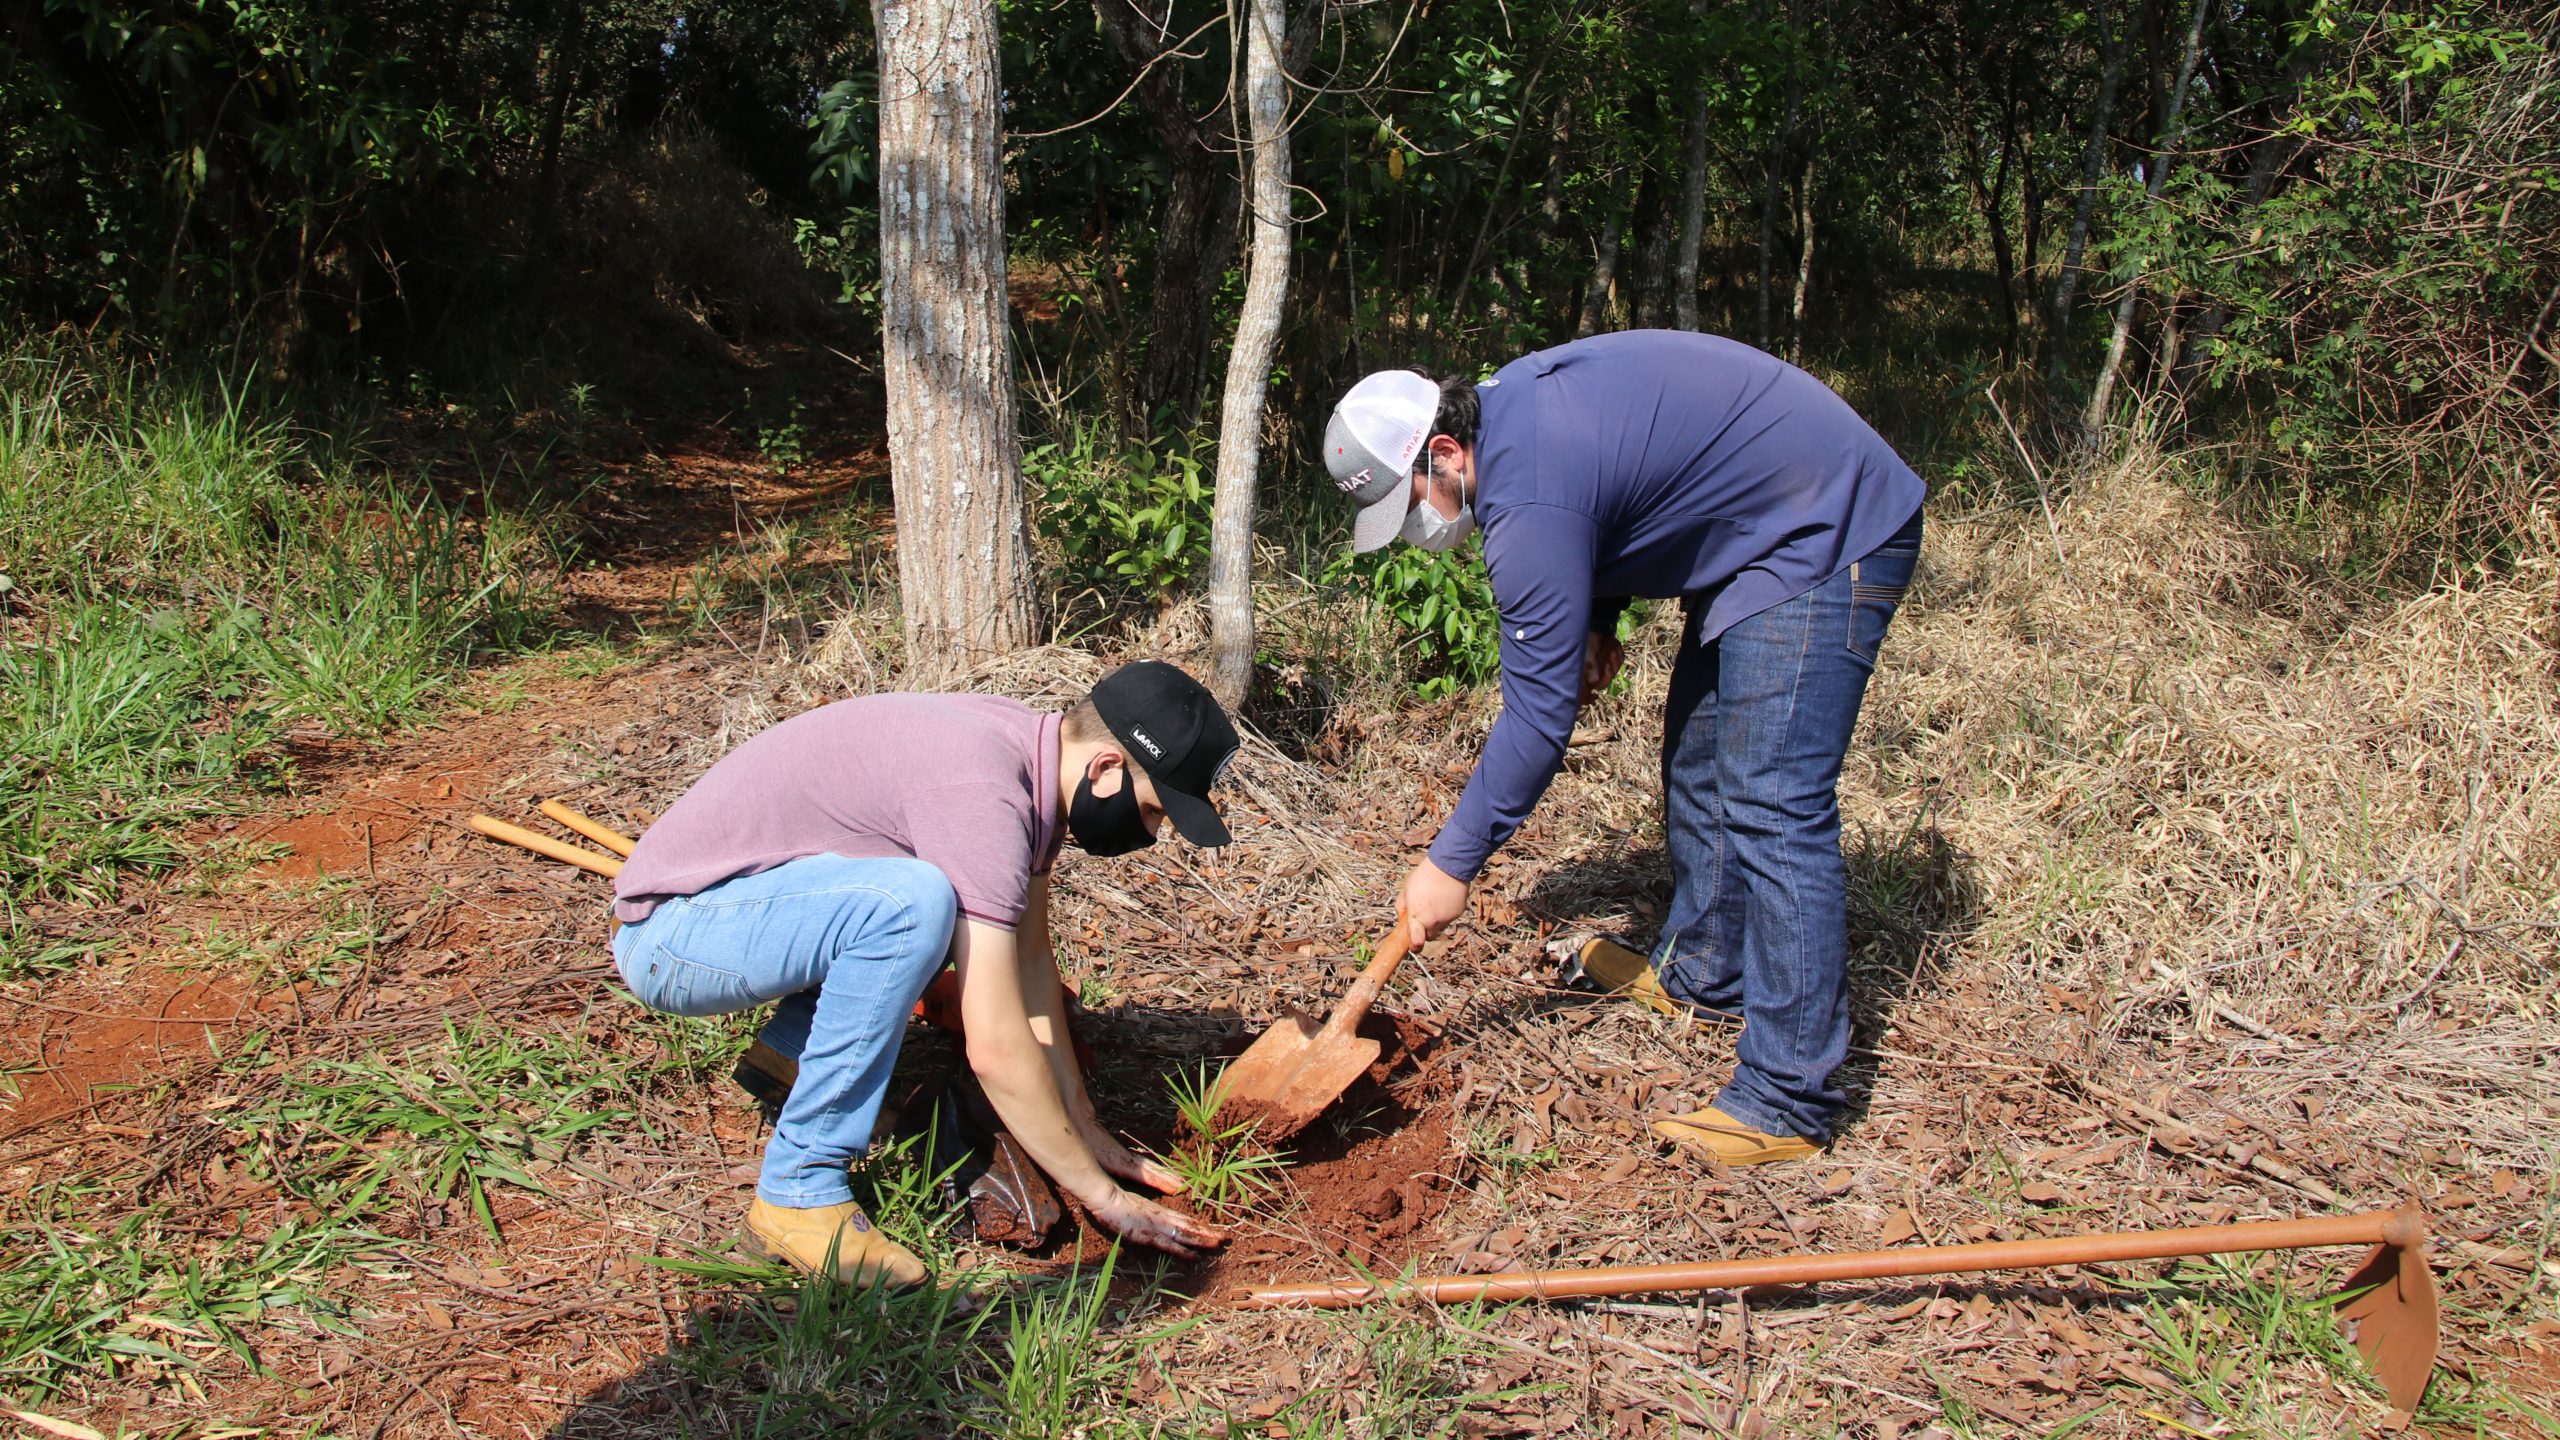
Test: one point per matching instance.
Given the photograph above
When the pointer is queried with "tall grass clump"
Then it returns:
(186, 584)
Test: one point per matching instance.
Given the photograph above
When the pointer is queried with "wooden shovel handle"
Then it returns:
(1365, 990)
(540, 844)
(611, 839)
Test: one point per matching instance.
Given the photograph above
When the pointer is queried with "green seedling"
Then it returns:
(1501, 1154)
(1220, 1165)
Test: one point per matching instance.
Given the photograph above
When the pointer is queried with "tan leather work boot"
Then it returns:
(1622, 972)
(803, 1240)
(1712, 1132)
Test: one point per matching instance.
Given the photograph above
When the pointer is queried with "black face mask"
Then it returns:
(1108, 824)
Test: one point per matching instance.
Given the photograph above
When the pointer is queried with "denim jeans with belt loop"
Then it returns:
(1753, 735)
(846, 946)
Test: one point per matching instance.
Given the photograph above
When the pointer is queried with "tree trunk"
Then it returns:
(964, 549)
(1770, 190)
(1197, 233)
(1693, 214)
(1804, 260)
(2274, 151)
(1604, 275)
(1266, 291)
(1990, 196)
(1773, 189)
(567, 54)
(2093, 159)
(2169, 136)
(1557, 297)
(1653, 256)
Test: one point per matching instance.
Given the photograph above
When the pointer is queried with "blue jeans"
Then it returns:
(1757, 723)
(846, 946)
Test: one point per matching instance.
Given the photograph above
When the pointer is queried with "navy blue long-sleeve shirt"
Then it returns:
(1649, 463)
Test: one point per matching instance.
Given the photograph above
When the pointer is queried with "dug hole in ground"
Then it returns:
(2144, 821)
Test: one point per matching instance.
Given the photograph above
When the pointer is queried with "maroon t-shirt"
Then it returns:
(966, 783)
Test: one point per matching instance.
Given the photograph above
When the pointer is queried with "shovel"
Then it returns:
(1298, 1068)
(2389, 1303)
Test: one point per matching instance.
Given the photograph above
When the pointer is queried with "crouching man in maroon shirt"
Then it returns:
(834, 863)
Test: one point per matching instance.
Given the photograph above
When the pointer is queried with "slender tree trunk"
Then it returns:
(2169, 137)
(1557, 298)
(1654, 224)
(1770, 190)
(1693, 213)
(1990, 196)
(1604, 275)
(567, 54)
(1804, 260)
(1492, 204)
(964, 549)
(1266, 292)
(1197, 232)
(1774, 188)
(2093, 158)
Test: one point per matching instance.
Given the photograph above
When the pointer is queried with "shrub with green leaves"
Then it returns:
(1128, 520)
(1443, 601)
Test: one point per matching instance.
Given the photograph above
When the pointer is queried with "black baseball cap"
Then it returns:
(1177, 730)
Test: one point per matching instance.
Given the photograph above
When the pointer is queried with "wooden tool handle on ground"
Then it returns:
(584, 859)
(611, 839)
(1364, 991)
(2405, 1227)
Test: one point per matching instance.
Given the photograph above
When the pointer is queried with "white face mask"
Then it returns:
(1426, 527)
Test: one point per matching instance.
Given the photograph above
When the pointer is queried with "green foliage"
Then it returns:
(1127, 520)
(444, 1128)
(76, 1298)
(186, 583)
(2356, 286)
(1445, 604)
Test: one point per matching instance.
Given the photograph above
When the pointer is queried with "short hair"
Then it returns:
(1082, 723)
(1460, 412)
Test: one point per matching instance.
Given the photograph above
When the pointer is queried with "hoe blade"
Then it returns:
(2394, 1320)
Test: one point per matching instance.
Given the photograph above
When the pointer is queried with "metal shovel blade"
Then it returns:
(2395, 1323)
(1298, 1067)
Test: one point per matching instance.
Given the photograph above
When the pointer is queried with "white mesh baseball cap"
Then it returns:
(1370, 445)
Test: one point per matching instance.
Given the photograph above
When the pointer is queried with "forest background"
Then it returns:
(363, 363)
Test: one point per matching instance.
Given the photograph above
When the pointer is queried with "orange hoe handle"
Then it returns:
(2403, 1228)
(539, 844)
(611, 839)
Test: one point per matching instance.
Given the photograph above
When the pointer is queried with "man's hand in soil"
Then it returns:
(1121, 1162)
(1133, 1217)
(1601, 659)
(1433, 899)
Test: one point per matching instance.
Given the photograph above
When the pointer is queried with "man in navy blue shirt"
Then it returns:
(1661, 463)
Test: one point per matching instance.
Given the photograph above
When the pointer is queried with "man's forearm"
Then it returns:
(1023, 1088)
(1014, 1068)
(1044, 1002)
